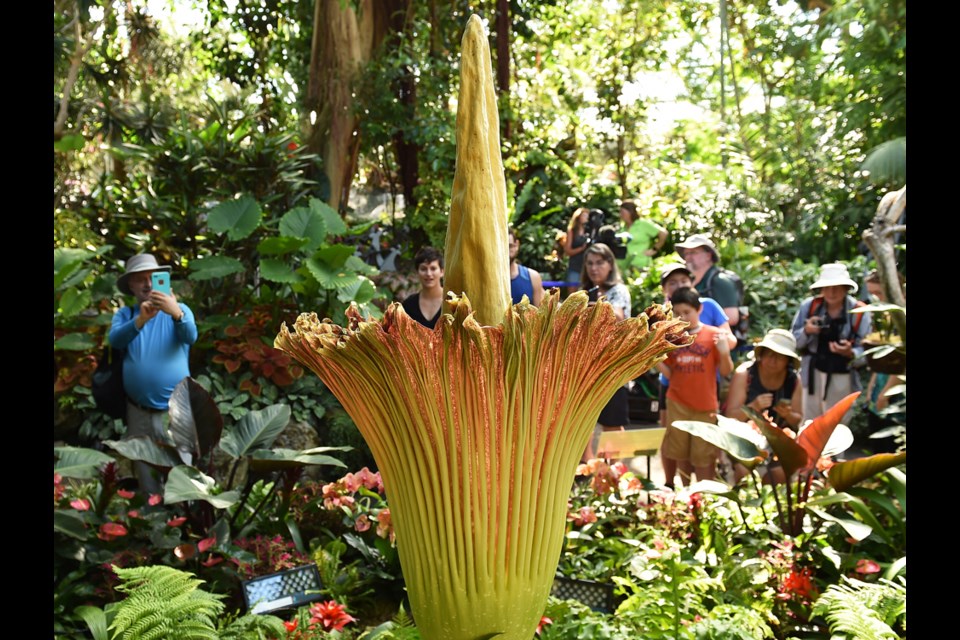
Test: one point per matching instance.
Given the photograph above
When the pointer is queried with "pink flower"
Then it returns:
(80, 504)
(133, 513)
(127, 495)
(370, 480)
(385, 525)
(586, 515)
(155, 499)
(331, 614)
(865, 566)
(176, 522)
(334, 495)
(111, 530)
(544, 621)
(362, 523)
(57, 488)
(206, 543)
(212, 560)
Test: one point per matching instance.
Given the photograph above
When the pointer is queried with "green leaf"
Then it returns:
(238, 218)
(737, 446)
(73, 302)
(895, 568)
(840, 440)
(858, 506)
(188, 483)
(331, 277)
(78, 462)
(305, 223)
(856, 529)
(335, 255)
(96, 621)
(357, 264)
(71, 142)
(874, 497)
(844, 475)
(280, 246)
(65, 262)
(195, 420)
(74, 342)
(214, 267)
(361, 292)
(145, 449)
(279, 459)
(334, 223)
(70, 523)
(278, 271)
(256, 430)
(898, 483)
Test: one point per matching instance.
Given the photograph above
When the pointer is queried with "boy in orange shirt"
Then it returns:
(692, 394)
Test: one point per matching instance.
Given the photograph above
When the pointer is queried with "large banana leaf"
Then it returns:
(256, 430)
(195, 420)
(78, 462)
(856, 529)
(844, 475)
(859, 507)
(145, 449)
(188, 483)
(280, 459)
(840, 440)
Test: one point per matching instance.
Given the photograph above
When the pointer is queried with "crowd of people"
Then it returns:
(791, 375)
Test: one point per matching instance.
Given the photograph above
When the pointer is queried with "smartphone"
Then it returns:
(593, 294)
(161, 281)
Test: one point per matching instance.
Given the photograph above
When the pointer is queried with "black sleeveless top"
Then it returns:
(756, 388)
(412, 306)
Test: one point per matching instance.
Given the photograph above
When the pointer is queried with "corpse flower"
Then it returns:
(478, 425)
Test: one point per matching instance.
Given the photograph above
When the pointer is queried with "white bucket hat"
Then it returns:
(834, 274)
(136, 264)
(780, 341)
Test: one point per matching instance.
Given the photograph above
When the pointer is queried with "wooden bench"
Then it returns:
(630, 443)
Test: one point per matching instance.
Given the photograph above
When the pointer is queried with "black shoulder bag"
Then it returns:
(107, 385)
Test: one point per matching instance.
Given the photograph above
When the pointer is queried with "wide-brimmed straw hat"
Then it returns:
(834, 274)
(780, 341)
(698, 240)
(136, 264)
(668, 270)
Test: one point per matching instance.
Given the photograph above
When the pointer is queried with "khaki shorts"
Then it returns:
(680, 445)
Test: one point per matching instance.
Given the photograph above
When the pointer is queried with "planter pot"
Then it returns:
(596, 595)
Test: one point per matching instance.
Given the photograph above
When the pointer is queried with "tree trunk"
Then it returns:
(503, 63)
(880, 238)
(342, 43)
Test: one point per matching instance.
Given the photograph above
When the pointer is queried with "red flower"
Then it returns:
(331, 614)
(57, 488)
(292, 146)
(206, 543)
(111, 530)
(544, 621)
(155, 499)
(80, 505)
(176, 522)
(127, 495)
(865, 566)
(133, 513)
(798, 583)
(291, 626)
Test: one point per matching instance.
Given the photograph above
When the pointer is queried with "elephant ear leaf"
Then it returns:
(195, 420)
(742, 448)
(844, 475)
(256, 430)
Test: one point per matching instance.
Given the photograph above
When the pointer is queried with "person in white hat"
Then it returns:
(701, 256)
(769, 384)
(157, 333)
(830, 339)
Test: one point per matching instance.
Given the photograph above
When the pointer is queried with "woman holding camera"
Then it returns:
(600, 277)
(574, 244)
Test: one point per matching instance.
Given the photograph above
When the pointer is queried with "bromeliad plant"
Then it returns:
(477, 426)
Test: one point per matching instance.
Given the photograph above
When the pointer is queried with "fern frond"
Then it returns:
(863, 610)
(264, 626)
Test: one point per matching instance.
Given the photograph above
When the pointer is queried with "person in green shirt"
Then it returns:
(646, 237)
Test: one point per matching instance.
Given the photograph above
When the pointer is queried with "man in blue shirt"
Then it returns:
(523, 280)
(157, 333)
